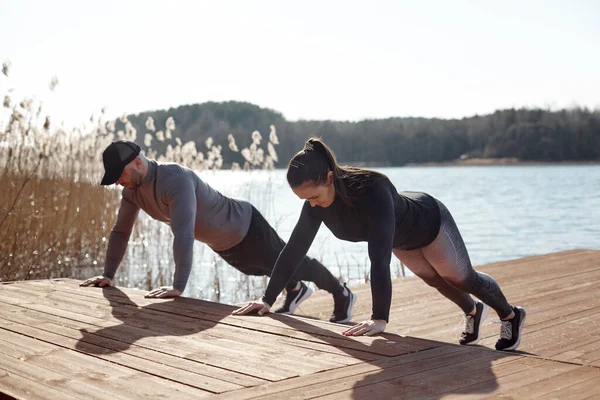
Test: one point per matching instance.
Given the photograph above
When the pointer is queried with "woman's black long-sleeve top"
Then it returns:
(379, 215)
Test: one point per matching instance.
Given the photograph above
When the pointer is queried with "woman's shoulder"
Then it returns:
(377, 182)
(372, 189)
(418, 196)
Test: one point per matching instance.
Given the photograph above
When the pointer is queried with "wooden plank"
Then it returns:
(283, 388)
(558, 384)
(57, 385)
(406, 290)
(380, 390)
(545, 263)
(142, 317)
(427, 383)
(19, 380)
(392, 373)
(270, 322)
(227, 329)
(126, 360)
(449, 329)
(72, 329)
(457, 376)
(290, 327)
(103, 379)
(195, 351)
(281, 325)
(506, 384)
(359, 355)
(587, 352)
(218, 346)
(450, 333)
(567, 334)
(572, 321)
(404, 366)
(561, 293)
(440, 310)
(492, 387)
(107, 346)
(446, 328)
(589, 389)
(562, 268)
(391, 388)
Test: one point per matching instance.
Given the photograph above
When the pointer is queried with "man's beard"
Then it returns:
(137, 180)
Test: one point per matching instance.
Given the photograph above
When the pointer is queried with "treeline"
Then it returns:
(525, 134)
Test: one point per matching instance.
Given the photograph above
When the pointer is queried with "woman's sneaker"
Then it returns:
(342, 306)
(293, 298)
(510, 331)
(470, 335)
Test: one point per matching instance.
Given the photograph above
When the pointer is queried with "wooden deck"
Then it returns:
(60, 341)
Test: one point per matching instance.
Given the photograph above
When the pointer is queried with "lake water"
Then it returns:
(503, 213)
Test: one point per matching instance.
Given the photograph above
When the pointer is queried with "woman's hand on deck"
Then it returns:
(256, 306)
(367, 328)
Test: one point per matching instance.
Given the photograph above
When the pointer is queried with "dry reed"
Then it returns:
(55, 218)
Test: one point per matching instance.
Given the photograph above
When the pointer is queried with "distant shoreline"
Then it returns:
(483, 162)
(476, 162)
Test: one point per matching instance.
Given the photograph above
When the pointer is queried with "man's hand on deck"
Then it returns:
(367, 328)
(163, 292)
(100, 281)
(257, 306)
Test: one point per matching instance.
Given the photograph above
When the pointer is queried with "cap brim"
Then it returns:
(111, 178)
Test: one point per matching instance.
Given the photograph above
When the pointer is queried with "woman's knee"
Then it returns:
(434, 281)
(467, 283)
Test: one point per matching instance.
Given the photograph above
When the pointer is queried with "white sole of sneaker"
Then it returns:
(349, 310)
(514, 346)
(294, 305)
(484, 314)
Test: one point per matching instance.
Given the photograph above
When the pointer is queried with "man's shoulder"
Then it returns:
(175, 172)
(171, 167)
(174, 179)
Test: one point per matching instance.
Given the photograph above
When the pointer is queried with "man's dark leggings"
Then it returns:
(257, 252)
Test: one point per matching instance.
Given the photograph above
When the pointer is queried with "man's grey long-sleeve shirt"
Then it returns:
(175, 195)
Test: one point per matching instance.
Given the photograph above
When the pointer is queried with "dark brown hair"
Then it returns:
(314, 162)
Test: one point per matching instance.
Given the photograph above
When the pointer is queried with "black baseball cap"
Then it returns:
(115, 157)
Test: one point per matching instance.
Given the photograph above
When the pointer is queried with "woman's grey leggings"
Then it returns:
(444, 264)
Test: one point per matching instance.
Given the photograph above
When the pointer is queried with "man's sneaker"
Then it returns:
(342, 306)
(470, 335)
(510, 331)
(294, 298)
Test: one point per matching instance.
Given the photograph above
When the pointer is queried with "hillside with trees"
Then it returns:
(525, 134)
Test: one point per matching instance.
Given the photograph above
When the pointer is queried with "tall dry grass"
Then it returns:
(55, 218)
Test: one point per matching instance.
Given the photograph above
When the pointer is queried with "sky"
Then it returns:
(310, 59)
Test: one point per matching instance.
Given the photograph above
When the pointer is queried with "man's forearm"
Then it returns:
(119, 236)
(183, 251)
(117, 245)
